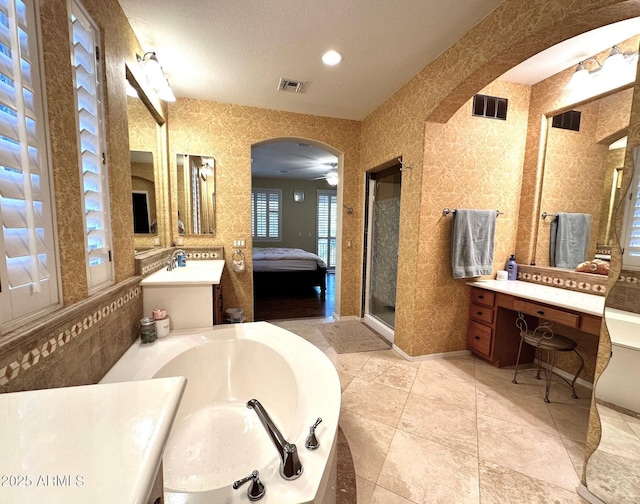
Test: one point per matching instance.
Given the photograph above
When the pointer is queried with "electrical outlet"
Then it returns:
(238, 244)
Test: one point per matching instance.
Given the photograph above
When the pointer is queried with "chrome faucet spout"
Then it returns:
(171, 263)
(290, 466)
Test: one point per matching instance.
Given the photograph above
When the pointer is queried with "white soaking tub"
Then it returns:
(216, 439)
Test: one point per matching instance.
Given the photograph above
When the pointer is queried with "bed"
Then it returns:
(290, 267)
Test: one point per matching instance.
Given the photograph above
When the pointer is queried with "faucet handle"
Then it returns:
(256, 490)
(312, 442)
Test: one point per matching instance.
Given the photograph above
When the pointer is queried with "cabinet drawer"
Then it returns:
(482, 296)
(480, 312)
(552, 314)
(479, 338)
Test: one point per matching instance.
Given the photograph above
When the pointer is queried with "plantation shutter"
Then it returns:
(631, 257)
(28, 274)
(327, 226)
(266, 205)
(93, 167)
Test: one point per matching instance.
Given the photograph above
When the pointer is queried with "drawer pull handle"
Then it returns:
(477, 337)
(479, 313)
(540, 312)
(480, 297)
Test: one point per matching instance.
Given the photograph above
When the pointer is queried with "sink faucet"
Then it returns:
(290, 466)
(173, 260)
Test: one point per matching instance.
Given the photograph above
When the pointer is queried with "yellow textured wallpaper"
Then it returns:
(226, 132)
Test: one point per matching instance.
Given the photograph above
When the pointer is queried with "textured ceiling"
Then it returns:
(236, 51)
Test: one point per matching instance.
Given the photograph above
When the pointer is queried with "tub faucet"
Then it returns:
(173, 260)
(290, 466)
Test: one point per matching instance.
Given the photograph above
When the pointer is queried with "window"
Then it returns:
(266, 214)
(91, 153)
(28, 271)
(327, 211)
(631, 234)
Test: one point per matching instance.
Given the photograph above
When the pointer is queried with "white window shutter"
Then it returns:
(91, 146)
(28, 273)
(631, 235)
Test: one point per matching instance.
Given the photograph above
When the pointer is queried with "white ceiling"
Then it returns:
(236, 51)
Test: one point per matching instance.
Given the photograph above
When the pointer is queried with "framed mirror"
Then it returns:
(582, 164)
(196, 185)
(147, 172)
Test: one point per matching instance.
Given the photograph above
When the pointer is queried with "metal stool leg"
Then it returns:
(551, 357)
(573, 383)
(517, 362)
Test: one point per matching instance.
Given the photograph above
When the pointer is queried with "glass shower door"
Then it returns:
(383, 225)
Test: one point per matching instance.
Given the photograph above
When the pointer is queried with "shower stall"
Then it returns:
(382, 226)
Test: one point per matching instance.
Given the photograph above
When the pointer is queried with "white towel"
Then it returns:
(472, 242)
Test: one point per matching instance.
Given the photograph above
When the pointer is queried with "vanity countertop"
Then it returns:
(205, 272)
(571, 300)
(94, 443)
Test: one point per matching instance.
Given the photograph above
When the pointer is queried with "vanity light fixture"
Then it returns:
(331, 58)
(156, 77)
(615, 65)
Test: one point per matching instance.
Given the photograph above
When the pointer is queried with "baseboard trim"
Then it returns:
(584, 492)
(442, 355)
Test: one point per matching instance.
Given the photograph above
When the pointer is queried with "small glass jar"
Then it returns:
(148, 330)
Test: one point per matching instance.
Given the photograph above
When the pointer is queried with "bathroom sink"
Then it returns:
(195, 272)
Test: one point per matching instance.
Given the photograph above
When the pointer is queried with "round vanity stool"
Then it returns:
(542, 338)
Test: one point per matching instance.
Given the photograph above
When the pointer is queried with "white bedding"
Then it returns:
(285, 259)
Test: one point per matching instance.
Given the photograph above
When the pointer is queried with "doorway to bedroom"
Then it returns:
(382, 227)
(294, 228)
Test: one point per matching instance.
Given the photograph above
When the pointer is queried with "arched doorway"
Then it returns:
(296, 196)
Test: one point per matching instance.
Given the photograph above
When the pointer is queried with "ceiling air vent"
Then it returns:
(490, 106)
(569, 120)
(290, 85)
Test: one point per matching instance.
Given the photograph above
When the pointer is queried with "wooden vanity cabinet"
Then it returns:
(492, 333)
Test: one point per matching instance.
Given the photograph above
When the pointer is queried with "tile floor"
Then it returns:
(454, 430)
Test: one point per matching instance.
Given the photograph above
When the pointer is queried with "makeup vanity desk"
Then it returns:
(492, 333)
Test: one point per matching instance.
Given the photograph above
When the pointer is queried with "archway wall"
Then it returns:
(227, 132)
(509, 35)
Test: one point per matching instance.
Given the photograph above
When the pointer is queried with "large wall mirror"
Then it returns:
(584, 156)
(147, 172)
(196, 184)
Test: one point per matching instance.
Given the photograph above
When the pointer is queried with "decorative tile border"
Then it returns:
(22, 360)
(563, 279)
(157, 259)
(631, 278)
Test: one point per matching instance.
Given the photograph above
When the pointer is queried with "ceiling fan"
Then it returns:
(331, 176)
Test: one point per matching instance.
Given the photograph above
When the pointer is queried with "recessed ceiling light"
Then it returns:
(331, 58)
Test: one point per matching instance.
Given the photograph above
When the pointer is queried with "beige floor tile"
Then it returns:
(575, 450)
(571, 421)
(364, 489)
(501, 380)
(440, 422)
(348, 363)
(499, 485)
(375, 401)
(462, 368)
(369, 442)
(384, 496)
(614, 479)
(391, 372)
(434, 385)
(394, 356)
(427, 472)
(345, 380)
(618, 438)
(517, 408)
(526, 450)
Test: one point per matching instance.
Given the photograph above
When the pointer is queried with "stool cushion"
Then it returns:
(557, 342)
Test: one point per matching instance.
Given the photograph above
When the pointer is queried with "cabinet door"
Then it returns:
(479, 338)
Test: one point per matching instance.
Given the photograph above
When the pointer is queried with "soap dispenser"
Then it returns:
(512, 268)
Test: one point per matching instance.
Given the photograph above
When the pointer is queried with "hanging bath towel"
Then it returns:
(472, 239)
(569, 239)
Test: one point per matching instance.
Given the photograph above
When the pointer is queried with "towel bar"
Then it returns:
(545, 215)
(446, 212)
